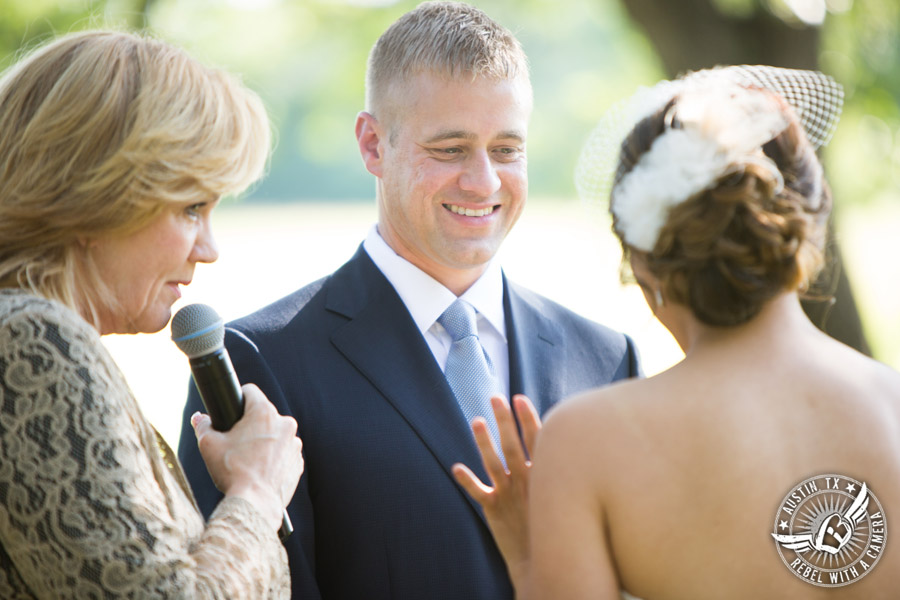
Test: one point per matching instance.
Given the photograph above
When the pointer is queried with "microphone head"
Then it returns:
(198, 330)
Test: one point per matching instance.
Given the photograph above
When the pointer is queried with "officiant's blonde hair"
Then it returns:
(101, 130)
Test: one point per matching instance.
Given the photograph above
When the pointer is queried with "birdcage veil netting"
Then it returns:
(815, 97)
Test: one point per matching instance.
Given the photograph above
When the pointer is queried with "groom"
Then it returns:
(358, 357)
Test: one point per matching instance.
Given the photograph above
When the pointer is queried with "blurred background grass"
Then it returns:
(307, 58)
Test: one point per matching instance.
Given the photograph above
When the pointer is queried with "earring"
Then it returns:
(657, 296)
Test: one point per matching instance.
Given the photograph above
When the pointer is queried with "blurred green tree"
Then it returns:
(307, 59)
(27, 22)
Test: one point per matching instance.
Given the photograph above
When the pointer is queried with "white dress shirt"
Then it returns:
(426, 300)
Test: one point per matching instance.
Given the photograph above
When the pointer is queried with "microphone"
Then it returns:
(199, 332)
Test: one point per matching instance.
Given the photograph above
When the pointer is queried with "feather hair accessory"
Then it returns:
(723, 118)
(720, 126)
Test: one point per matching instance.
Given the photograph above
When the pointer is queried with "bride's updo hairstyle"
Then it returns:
(713, 182)
(756, 230)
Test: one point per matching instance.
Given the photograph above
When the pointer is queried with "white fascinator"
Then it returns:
(724, 116)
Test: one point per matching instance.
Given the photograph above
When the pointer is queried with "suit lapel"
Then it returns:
(536, 349)
(383, 343)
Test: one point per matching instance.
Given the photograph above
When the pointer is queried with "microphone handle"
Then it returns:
(221, 394)
(219, 388)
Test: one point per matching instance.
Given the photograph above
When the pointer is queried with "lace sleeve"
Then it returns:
(87, 506)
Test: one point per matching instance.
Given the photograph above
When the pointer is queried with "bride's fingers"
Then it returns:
(509, 434)
(470, 482)
(489, 457)
(529, 420)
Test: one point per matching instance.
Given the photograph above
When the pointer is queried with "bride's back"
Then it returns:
(697, 464)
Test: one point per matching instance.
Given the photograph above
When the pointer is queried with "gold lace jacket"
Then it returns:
(93, 503)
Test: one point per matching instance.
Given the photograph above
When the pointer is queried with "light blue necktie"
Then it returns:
(469, 369)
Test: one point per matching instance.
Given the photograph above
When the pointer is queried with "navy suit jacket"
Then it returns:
(378, 513)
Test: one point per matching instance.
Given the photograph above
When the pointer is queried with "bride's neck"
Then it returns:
(780, 316)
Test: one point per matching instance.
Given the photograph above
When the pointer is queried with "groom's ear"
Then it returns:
(371, 139)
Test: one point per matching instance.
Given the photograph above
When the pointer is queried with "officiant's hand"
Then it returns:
(505, 504)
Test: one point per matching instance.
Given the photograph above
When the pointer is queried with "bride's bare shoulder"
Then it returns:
(885, 376)
(632, 397)
(611, 419)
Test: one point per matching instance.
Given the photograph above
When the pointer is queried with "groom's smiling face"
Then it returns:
(453, 172)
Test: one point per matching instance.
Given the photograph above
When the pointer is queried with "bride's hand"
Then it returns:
(505, 504)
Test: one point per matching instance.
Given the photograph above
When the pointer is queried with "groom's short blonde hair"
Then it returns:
(451, 39)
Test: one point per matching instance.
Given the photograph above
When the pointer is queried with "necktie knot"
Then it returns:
(459, 320)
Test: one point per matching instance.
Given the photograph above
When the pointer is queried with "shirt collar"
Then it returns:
(425, 298)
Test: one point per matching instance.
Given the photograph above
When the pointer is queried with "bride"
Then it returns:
(767, 462)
